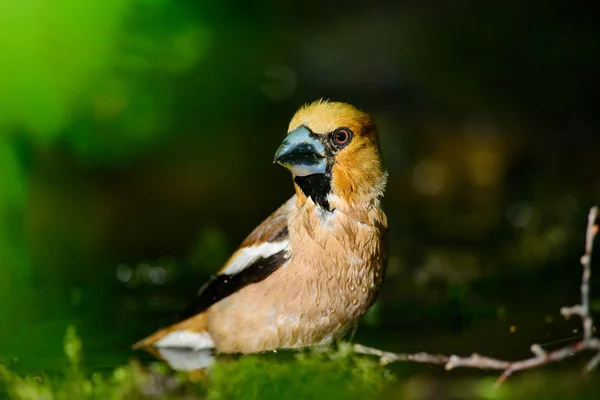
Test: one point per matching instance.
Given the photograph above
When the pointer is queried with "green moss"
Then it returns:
(317, 374)
(314, 375)
(320, 373)
(74, 384)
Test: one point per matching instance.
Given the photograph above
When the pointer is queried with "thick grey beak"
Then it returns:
(302, 154)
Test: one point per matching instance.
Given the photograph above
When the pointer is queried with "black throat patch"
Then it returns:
(317, 187)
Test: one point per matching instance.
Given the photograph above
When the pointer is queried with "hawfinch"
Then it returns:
(307, 274)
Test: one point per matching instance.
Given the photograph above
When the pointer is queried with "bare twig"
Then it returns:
(540, 356)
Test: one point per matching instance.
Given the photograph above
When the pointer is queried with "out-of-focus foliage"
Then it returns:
(569, 385)
(52, 53)
(82, 76)
(63, 59)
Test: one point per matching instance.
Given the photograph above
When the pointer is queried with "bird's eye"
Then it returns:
(341, 136)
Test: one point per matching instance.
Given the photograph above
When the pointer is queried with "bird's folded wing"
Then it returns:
(260, 254)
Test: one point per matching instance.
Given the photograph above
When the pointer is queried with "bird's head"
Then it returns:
(332, 150)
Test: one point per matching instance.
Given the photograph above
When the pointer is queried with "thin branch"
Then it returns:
(583, 309)
(387, 357)
(540, 356)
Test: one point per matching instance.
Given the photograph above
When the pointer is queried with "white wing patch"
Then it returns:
(246, 256)
(186, 339)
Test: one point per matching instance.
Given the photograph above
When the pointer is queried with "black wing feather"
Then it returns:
(223, 285)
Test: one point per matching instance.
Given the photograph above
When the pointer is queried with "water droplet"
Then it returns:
(330, 277)
(352, 287)
(124, 272)
(364, 289)
(355, 301)
(158, 275)
(324, 313)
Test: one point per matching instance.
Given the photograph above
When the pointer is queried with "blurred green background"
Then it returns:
(136, 139)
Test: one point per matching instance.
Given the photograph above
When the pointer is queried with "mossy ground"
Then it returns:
(316, 374)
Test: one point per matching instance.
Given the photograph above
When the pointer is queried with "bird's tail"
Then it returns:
(190, 333)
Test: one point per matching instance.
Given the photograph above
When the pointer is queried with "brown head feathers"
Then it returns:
(357, 175)
(324, 116)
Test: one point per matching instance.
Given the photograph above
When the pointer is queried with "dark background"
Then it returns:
(136, 145)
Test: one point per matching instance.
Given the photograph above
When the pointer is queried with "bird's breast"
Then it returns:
(331, 279)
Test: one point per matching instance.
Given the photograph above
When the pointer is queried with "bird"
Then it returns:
(308, 273)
